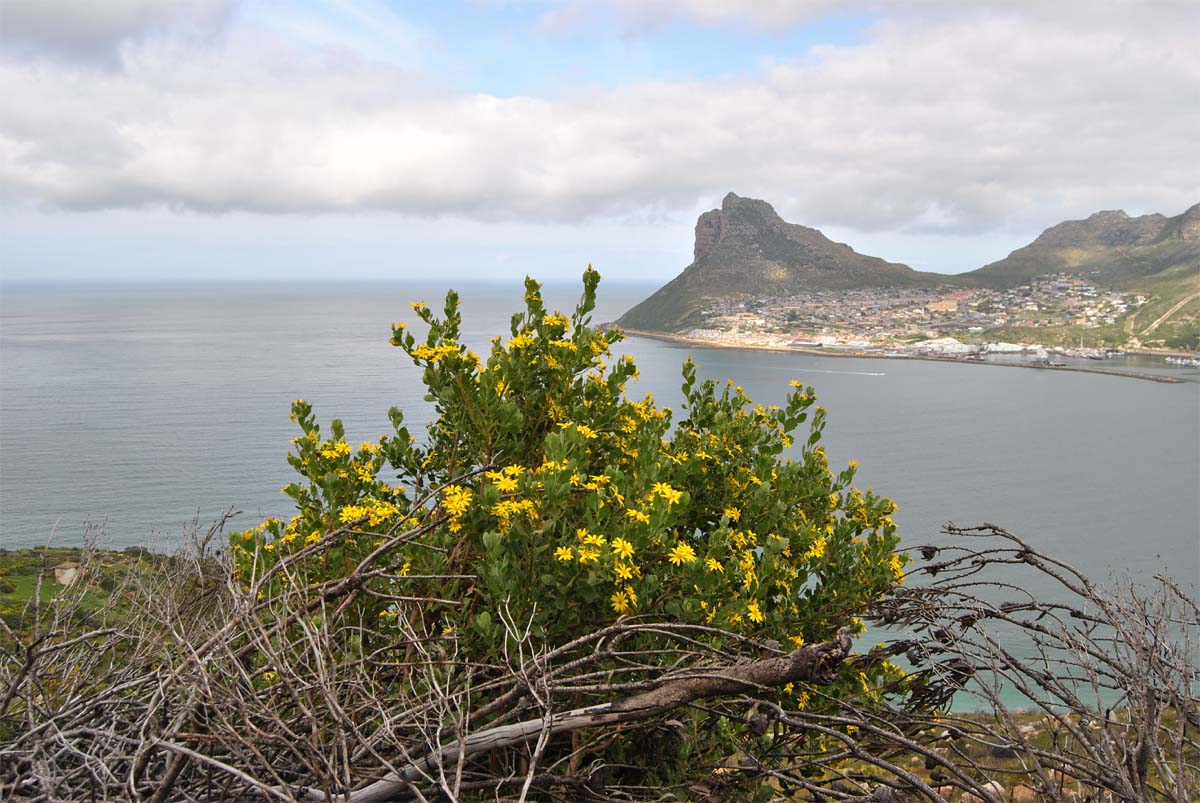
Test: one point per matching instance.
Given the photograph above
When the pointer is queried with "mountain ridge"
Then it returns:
(745, 249)
(1110, 245)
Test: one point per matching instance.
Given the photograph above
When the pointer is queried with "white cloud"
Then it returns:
(958, 123)
(97, 29)
(639, 16)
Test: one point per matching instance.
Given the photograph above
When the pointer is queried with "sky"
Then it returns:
(193, 140)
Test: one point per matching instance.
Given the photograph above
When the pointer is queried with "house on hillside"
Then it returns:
(67, 572)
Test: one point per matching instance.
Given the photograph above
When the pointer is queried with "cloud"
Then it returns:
(642, 16)
(954, 123)
(97, 29)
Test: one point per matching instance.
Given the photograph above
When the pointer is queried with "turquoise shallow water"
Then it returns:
(141, 407)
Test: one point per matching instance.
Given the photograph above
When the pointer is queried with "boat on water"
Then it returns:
(1089, 353)
(1086, 352)
(1187, 362)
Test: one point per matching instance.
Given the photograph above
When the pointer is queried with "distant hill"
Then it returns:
(1112, 248)
(745, 250)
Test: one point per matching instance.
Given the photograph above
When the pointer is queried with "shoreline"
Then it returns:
(688, 341)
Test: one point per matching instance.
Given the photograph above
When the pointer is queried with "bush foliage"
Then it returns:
(555, 501)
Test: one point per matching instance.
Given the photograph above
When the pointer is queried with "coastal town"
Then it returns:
(945, 322)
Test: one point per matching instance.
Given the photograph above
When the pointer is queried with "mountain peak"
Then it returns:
(746, 250)
(738, 223)
(1110, 228)
(739, 204)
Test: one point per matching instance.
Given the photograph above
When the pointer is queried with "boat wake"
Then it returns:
(825, 371)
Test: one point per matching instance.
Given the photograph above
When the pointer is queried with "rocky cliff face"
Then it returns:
(746, 247)
(1189, 225)
(746, 250)
(708, 234)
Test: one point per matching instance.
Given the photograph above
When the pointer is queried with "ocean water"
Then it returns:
(142, 407)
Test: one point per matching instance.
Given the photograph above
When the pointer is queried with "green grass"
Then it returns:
(26, 587)
(20, 571)
(1182, 328)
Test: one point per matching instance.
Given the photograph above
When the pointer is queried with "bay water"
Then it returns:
(141, 407)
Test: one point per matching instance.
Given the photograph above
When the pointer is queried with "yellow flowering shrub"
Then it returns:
(547, 492)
